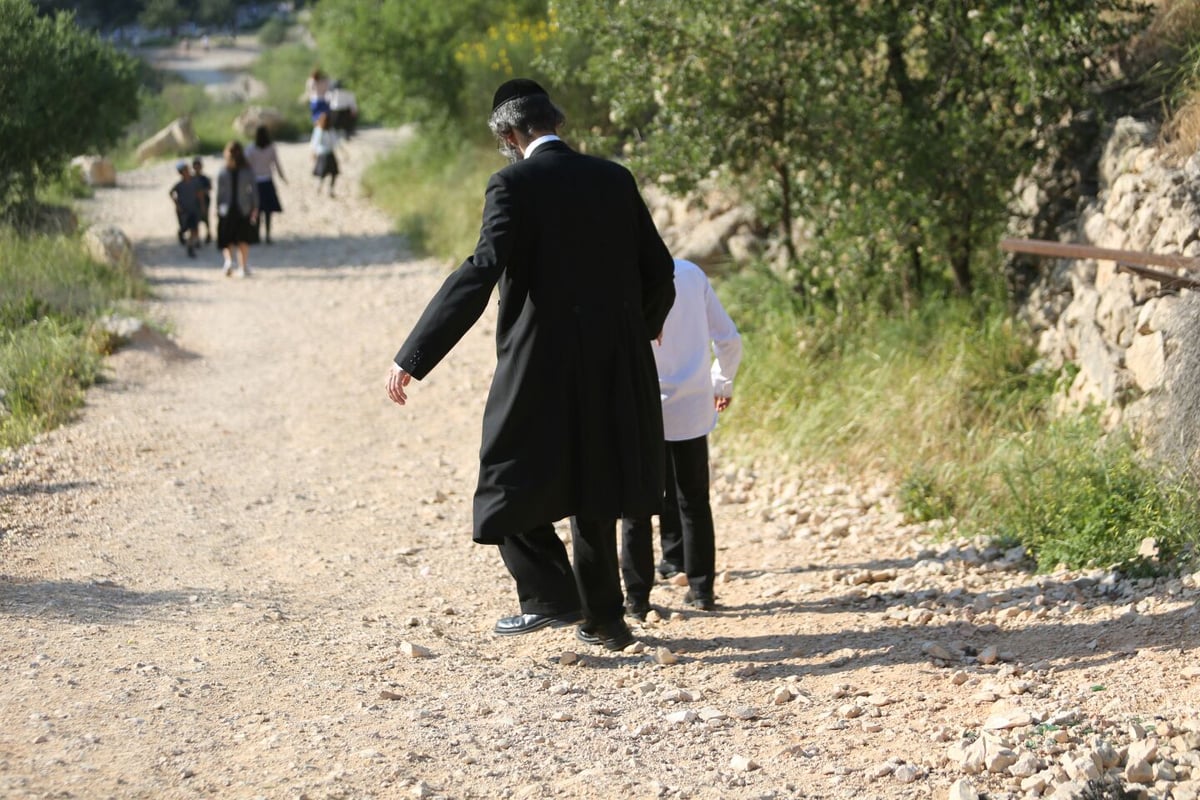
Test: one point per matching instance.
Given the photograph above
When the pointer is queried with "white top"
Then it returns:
(262, 160)
(689, 378)
(339, 99)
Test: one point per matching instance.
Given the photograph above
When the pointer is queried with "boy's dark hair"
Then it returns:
(262, 137)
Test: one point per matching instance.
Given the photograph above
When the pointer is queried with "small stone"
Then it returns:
(782, 695)
(678, 579)
(1082, 769)
(1191, 673)
(745, 713)
(643, 730)
(1144, 750)
(962, 789)
(412, 622)
(388, 695)
(1028, 764)
(1013, 719)
(568, 658)
(959, 677)
(907, 773)
(999, 759)
(742, 764)
(850, 711)
(1034, 784)
(415, 650)
(635, 649)
(1139, 772)
(989, 654)
(682, 717)
(710, 714)
(422, 789)
(653, 616)
(647, 687)
(883, 770)
(935, 650)
(561, 716)
(664, 657)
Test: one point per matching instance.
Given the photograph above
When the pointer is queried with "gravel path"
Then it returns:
(244, 573)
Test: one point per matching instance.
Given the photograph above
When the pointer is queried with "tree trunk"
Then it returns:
(785, 217)
(960, 254)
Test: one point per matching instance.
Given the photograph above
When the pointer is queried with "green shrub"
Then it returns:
(50, 295)
(943, 400)
(53, 70)
(434, 190)
(273, 32)
(1073, 496)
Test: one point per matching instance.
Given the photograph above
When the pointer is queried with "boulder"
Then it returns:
(249, 121)
(1129, 136)
(95, 170)
(178, 138)
(109, 245)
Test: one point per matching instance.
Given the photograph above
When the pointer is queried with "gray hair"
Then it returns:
(528, 115)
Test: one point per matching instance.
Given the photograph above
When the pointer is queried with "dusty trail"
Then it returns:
(207, 581)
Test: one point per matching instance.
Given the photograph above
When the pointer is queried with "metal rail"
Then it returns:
(1131, 261)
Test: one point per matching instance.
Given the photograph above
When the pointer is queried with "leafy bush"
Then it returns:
(273, 32)
(942, 399)
(434, 189)
(64, 92)
(50, 293)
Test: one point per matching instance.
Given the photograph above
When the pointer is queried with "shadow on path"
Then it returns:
(86, 602)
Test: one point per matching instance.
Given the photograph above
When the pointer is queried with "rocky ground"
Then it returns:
(243, 572)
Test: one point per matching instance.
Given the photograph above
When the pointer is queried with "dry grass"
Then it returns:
(1170, 51)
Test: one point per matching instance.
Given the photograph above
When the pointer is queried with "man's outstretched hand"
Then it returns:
(396, 381)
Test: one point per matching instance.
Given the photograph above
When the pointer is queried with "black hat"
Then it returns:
(516, 88)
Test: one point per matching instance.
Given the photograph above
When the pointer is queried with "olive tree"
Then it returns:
(63, 91)
(894, 130)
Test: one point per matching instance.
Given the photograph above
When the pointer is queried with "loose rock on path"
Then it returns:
(244, 573)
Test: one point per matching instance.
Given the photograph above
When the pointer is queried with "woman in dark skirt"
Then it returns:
(324, 144)
(265, 161)
(237, 209)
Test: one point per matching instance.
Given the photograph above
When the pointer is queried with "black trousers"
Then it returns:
(546, 582)
(686, 526)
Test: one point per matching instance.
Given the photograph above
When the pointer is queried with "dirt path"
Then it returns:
(208, 582)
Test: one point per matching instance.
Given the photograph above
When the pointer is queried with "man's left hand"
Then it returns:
(397, 380)
(722, 403)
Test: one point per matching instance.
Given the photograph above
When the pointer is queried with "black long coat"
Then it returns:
(573, 421)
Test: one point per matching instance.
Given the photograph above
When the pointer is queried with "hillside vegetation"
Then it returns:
(880, 143)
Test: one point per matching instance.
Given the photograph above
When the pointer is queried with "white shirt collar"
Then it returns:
(538, 142)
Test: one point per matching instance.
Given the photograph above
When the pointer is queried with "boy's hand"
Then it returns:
(722, 403)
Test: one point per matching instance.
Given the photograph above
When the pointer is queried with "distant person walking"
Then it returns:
(204, 183)
(237, 209)
(264, 160)
(343, 109)
(186, 196)
(316, 88)
(694, 386)
(324, 153)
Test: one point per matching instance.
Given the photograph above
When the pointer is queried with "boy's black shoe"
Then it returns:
(668, 570)
(638, 609)
(704, 602)
(613, 635)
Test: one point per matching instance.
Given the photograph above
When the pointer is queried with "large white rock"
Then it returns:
(178, 138)
(95, 170)
(249, 121)
(1146, 360)
(1129, 136)
(109, 245)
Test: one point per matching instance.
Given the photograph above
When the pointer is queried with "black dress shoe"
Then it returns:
(704, 602)
(524, 623)
(613, 635)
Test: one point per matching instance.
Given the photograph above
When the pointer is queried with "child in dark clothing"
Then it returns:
(204, 185)
(186, 195)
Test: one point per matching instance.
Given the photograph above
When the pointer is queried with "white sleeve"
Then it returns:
(726, 344)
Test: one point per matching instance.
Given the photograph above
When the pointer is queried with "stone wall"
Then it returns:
(1125, 334)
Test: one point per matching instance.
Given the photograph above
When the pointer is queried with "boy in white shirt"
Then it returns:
(694, 386)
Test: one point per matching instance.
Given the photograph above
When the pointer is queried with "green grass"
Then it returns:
(50, 351)
(942, 400)
(434, 191)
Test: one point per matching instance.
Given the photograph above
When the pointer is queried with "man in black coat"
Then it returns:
(573, 423)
